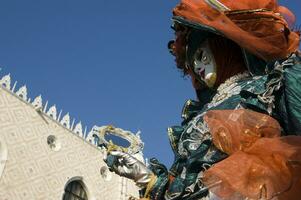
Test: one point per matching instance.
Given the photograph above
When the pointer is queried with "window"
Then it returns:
(75, 191)
(53, 143)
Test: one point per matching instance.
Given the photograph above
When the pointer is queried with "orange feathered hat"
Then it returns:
(262, 27)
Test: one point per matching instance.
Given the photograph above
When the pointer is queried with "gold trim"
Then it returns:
(150, 185)
(184, 114)
(136, 145)
(236, 12)
(171, 138)
(263, 192)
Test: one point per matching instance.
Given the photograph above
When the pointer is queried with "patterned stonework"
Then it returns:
(32, 169)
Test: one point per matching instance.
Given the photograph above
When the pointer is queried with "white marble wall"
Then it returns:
(31, 169)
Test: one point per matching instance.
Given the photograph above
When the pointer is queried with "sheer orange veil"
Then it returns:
(261, 164)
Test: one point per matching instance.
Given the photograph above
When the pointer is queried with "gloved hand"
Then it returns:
(126, 165)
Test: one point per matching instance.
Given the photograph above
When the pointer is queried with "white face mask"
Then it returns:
(204, 65)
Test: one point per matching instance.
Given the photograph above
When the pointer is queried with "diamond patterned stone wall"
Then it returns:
(34, 171)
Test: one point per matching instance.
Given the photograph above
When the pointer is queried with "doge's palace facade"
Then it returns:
(45, 155)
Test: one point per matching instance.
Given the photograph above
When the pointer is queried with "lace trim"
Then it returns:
(228, 89)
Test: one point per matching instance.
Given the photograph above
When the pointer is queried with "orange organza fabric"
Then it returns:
(265, 33)
(261, 164)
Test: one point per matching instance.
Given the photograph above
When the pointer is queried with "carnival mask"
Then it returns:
(203, 64)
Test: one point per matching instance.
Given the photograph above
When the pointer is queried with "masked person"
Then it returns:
(241, 138)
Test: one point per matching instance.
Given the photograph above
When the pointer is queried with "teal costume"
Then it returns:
(276, 92)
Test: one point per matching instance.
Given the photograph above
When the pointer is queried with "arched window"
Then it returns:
(75, 191)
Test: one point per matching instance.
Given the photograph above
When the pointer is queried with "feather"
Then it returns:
(217, 5)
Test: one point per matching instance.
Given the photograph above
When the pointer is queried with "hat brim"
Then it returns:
(198, 26)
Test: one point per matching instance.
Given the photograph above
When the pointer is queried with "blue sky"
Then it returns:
(105, 62)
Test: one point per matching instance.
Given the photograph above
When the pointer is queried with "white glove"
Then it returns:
(126, 165)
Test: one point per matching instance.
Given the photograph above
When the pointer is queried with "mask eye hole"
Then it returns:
(205, 58)
(198, 66)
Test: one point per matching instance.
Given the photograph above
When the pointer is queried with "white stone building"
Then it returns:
(44, 156)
